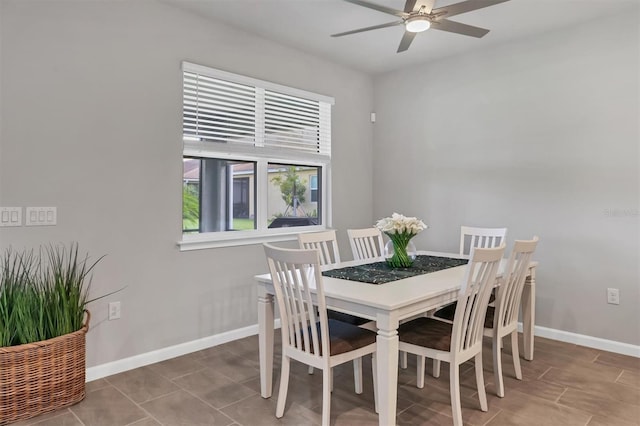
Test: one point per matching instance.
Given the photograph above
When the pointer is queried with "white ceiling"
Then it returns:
(308, 24)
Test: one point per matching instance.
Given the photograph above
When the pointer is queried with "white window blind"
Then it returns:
(216, 110)
(221, 107)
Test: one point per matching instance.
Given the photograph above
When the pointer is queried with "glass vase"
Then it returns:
(399, 251)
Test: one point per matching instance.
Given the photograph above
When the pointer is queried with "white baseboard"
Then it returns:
(119, 366)
(588, 341)
(126, 364)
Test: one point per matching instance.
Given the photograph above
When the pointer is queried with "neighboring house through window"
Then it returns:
(256, 159)
(313, 187)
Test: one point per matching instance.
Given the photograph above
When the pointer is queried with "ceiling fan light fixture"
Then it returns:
(417, 24)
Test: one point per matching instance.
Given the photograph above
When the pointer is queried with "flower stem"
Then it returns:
(400, 258)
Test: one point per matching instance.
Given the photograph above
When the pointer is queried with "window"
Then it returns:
(288, 201)
(256, 159)
(228, 204)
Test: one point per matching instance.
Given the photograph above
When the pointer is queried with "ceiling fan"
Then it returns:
(419, 16)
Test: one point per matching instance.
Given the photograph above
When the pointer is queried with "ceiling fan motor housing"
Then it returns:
(417, 23)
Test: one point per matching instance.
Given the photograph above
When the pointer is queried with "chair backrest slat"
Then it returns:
(513, 279)
(294, 274)
(481, 238)
(473, 298)
(325, 242)
(366, 244)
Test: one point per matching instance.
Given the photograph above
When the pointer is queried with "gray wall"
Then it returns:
(91, 123)
(540, 136)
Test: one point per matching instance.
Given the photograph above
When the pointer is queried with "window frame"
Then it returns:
(262, 156)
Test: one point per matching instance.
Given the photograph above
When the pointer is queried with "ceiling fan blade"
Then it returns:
(465, 6)
(409, 5)
(457, 27)
(416, 5)
(378, 7)
(375, 27)
(407, 38)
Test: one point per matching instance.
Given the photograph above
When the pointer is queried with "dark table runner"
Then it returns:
(381, 273)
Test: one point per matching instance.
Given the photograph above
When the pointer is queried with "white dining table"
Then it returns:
(386, 304)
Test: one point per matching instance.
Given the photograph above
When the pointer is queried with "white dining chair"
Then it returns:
(327, 245)
(366, 244)
(308, 336)
(325, 242)
(480, 237)
(461, 340)
(502, 319)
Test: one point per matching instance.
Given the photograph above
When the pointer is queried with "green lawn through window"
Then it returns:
(238, 224)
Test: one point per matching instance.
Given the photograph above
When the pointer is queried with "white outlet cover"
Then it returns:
(114, 310)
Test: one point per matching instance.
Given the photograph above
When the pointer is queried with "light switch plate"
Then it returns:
(10, 216)
(41, 216)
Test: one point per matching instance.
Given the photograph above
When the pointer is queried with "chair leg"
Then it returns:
(482, 393)
(515, 352)
(436, 368)
(374, 371)
(497, 365)
(331, 380)
(327, 376)
(357, 374)
(403, 359)
(284, 386)
(454, 389)
(420, 372)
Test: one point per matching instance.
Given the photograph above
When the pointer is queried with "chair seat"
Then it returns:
(426, 332)
(349, 319)
(449, 311)
(344, 337)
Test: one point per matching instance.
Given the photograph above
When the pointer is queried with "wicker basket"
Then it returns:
(39, 377)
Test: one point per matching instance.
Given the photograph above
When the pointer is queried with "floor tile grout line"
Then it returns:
(140, 420)
(545, 372)
(557, 401)
(492, 417)
(139, 404)
(221, 408)
(173, 379)
(76, 416)
(576, 408)
(231, 378)
(589, 421)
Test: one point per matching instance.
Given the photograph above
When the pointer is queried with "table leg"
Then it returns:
(529, 314)
(387, 369)
(265, 343)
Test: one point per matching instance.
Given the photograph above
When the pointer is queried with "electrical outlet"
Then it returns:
(613, 296)
(114, 310)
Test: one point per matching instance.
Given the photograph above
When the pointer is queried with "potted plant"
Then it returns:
(43, 322)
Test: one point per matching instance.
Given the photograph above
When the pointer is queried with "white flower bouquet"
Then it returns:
(400, 229)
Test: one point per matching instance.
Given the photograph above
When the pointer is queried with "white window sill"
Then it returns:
(242, 238)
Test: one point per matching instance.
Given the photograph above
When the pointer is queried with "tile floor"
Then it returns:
(565, 385)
